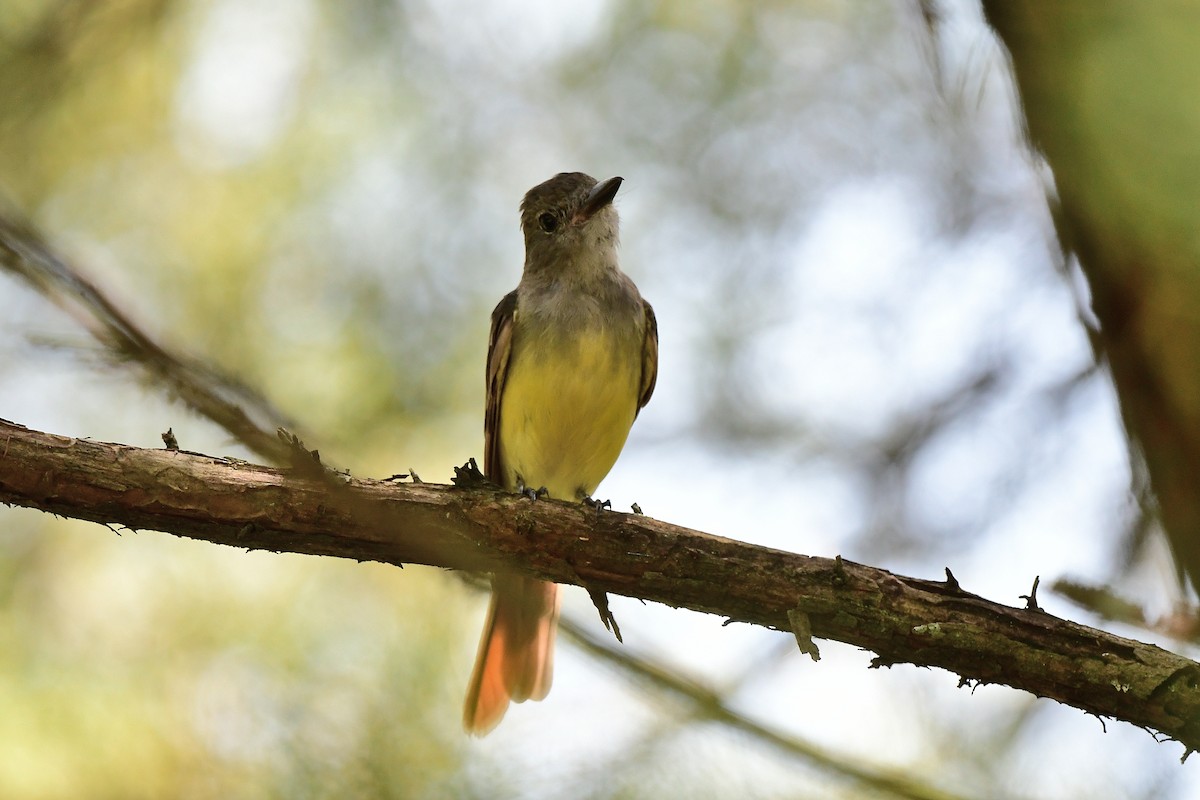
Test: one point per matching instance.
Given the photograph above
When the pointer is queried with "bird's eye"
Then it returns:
(548, 222)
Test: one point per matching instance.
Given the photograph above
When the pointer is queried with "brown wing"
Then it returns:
(499, 348)
(649, 356)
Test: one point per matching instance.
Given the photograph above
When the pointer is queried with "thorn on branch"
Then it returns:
(1031, 603)
(970, 683)
(1100, 719)
(303, 460)
(952, 582)
(840, 578)
(802, 629)
(468, 476)
(600, 601)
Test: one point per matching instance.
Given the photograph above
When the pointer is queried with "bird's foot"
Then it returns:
(532, 494)
(596, 504)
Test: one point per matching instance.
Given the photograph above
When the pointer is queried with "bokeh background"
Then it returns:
(871, 346)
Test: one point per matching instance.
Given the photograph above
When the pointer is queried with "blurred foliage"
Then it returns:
(186, 675)
(868, 347)
(1108, 89)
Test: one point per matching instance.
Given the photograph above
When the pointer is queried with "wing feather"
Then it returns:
(499, 349)
(649, 356)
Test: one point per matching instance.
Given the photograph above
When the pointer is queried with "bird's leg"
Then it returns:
(532, 494)
(596, 504)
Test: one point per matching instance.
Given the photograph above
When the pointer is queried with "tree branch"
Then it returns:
(902, 620)
(244, 413)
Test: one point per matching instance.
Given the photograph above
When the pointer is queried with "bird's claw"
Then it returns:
(596, 504)
(532, 494)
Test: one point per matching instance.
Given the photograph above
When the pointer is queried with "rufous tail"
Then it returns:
(516, 652)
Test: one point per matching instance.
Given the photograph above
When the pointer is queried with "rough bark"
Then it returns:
(901, 619)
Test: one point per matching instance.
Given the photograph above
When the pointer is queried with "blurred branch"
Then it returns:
(1108, 89)
(709, 704)
(1181, 624)
(901, 619)
(206, 391)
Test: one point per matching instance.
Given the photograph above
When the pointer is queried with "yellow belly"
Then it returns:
(566, 413)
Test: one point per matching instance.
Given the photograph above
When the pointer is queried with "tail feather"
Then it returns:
(516, 652)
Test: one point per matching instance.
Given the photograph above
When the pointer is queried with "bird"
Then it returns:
(572, 359)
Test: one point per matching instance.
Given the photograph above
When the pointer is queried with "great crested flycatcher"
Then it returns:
(572, 358)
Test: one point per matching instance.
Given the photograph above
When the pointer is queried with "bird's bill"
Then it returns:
(600, 196)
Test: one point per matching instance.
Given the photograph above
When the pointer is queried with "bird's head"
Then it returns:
(569, 223)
